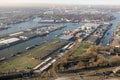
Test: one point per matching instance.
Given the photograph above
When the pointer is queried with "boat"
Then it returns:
(29, 48)
(12, 55)
(2, 59)
(56, 35)
(43, 33)
(3, 27)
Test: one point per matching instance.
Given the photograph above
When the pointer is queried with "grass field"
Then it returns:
(31, 58)
(81, 49)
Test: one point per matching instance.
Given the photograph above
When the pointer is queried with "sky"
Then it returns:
(30, 2)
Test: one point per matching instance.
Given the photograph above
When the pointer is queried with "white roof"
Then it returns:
(15, 34)
(91, 25)
(7, 41)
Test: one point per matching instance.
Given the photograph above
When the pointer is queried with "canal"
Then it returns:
(109, 34)
(35, 41)
(53, 35)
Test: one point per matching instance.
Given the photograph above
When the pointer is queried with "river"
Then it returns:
(21, 47)
(109, 34)
(40, 40)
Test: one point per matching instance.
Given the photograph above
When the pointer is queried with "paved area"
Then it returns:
(62, 78)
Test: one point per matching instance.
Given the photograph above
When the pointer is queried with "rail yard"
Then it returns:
(85, 33)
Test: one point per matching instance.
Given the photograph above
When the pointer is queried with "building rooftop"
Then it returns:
(91, 25)
(7, 41)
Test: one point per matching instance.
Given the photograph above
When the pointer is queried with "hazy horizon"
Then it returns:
(60, 2)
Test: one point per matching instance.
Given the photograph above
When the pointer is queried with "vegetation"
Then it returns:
(114, 61)
(118, 75)
(81, 49)
(92, 58)
(84, 57)
(31, 58)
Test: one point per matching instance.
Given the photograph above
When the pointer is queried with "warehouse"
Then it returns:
(16, 34)
(7, 42)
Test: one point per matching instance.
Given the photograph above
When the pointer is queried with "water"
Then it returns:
(109, 34)
(21, 47)
(23, 26)
(39, 40)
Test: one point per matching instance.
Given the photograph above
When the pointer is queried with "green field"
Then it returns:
(81, 49)
(31, 58)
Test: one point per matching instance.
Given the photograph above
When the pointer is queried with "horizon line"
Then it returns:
(49, 4)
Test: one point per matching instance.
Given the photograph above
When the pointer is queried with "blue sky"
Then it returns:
(108, 2)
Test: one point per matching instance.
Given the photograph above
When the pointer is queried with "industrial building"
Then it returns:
(7, 42)
(89, 26)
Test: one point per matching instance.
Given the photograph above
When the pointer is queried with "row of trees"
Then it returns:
(90, 59)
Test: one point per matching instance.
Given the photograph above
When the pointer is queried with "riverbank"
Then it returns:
(35, 41)
(109, 34)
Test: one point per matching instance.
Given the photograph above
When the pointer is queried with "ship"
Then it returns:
(43, 33)
(3, 27)
(29, 48)
(2, 59)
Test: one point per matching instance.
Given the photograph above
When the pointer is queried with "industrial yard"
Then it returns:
(60, 43)
(31, 58)
(22, 36)
(61, 51)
